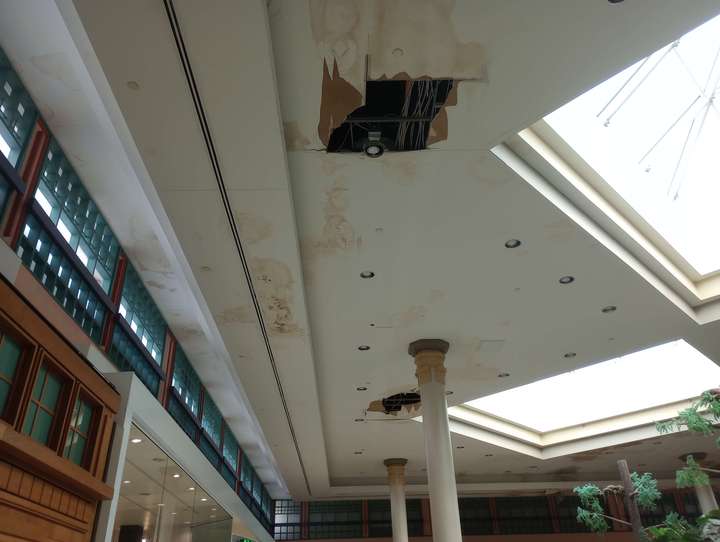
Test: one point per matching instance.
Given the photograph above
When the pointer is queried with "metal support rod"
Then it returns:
(630, 503)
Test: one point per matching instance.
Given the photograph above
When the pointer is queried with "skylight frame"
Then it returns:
(650, 226)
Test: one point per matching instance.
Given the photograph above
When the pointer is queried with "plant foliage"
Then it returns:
(675, 529)
(691, 475)
(700, 417)
(646, 492)
(591, 511)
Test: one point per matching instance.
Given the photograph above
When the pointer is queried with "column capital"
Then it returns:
(429, 357)
(396, 469)
(434, 345)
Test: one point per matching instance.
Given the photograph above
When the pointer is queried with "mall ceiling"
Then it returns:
(227, 108)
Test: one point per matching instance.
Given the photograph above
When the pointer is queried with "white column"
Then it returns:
(396, 480)
(706, 498)
(429, 357)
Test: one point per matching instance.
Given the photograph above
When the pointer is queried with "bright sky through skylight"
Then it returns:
(653, 133)
(656, 376)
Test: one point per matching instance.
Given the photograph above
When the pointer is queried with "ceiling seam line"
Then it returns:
(210, 146)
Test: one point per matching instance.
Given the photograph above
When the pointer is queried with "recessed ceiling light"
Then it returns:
(361, 388)
(358, 452)
(363, 348)
(460, 447)
(136, 440)
(373, 148)
(176, 476)
(191, 489)
(204, 499)
(212, 516)
(213, 509)
(503, 375)
(161, 504)
(488, 455)
(367, 274)
(359, 419)
(513, 243)
(569, 355)
(449, 392)
(567, 279)
(609, 308)
(126, 481)
(174, 513)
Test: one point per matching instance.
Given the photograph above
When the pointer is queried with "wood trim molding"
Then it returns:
(41, 460)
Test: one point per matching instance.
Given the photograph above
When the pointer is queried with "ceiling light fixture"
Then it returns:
(449, 392)
(363, 348)
(359, 419)
(136, 440)
(567, 279)
(361, 388)
(191, 489)
(367, 274)
(373, 147)
(488, 455)
(126, 481)
(609, 308)
(204, 499)
(460, 447)
(513, 243)
(503, 375)
(358, 452)
(176, 476)
(569, 355)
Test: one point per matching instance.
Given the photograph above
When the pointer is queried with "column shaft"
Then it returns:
(398, 511)
(706, 498)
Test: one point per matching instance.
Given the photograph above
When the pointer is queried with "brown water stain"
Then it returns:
(274, 286)
(295, 140)
(337, 233)
(409, 316)
(240, 315)
(253, 228)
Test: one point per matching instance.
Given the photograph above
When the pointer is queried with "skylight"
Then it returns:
(656, 376)
(652, 132)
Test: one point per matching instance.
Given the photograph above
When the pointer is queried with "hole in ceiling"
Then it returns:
(396, 116)
(395, 403)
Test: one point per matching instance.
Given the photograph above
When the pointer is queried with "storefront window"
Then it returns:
(160, 502)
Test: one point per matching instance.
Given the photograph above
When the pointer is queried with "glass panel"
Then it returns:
(4, 191)
(523, 515)
(208, 451)
(84, 417)
(51, 392)
(77, 452)
(339, 519)
(159, 501)
(140, 311)
(29, 418)
(17, 112)
(70, 207)
(39, 382)
(48, 263)
(181, 416)
(4, 393)
(185, 381)
(128, 357)
(230, 449)
(9, 355)
(246, 475)
(211, 420)
(42, 426)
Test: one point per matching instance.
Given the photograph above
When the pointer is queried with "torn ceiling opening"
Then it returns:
(397, 116)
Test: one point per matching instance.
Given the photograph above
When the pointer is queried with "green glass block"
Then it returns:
(69, 205)
(230, 449)
(41, 429)
(4, 194)
(10, 353)
(77, 451)
(48, 263)
(51, 392)
(29, 417)
(4, 394)
(186, 381)
(17, 111)
(127, 357)
(39, 382)
(211, 420)
(140, 311)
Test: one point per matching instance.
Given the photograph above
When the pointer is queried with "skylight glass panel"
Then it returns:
(652, 132)
(656, 376)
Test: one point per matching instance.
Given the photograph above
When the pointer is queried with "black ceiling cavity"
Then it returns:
(396, 117)
(396, 402)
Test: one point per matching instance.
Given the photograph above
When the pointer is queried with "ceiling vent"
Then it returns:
(396, 117)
